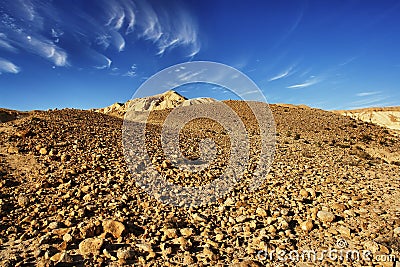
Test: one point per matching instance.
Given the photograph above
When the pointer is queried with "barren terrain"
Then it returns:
(67, 197)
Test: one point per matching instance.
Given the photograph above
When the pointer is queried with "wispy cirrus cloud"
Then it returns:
(8, 67)
(48, 29)
(369, 101)
(283, 74)
(307, 83)
(368, 93)
(131, 72)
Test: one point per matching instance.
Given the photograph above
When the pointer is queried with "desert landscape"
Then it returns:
(68, 198)
(199, 133)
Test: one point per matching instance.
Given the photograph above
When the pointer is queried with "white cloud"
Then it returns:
(5, 43)
(29, 26)
(8, 67)
(369, 101)
(107, 62)
(283, 74)
(305, 84)
(46, 49)
(132, 72)
(187, 76)
(368, 93)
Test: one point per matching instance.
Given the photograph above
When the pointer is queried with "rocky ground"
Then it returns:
(67, 197)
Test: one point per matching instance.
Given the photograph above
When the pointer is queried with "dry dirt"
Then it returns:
(68, 199)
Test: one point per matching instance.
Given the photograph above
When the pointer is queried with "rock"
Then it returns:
(246, 263)
(67, 237)
(145, 247)
(304, 193)
(125, 253)
(325, 216)
(62, 257)
(241, 218)
(43, 151)
(108, 255)
(219, 237)
(54, 225)
(344, 231)
(113, 227)
(307, 225)
(339, 207)
(166, 164)
(23, 201)
(208, 253)
(170, 233)
(90, 246)
(229, 201)
(65, 157)
(396, 231)
(186, 232)
(56, 257)
(261, 212)
(371, 246)
(187, 260)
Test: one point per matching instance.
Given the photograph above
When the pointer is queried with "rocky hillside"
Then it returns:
(387, 117)
(9, 115)
(169, 99)
(68, 199)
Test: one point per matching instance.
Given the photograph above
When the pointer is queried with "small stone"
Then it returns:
(246, 263)
(219, 237)
(187, 260)
(261, 212)
(307, 226)
(371, 246)
(23, 201)
(325, 216)
(113, 227)
(151, 255)
(166, 164)
(344, 231)
(170, 233)
(396, 231)
(186, 232)
(165, 250)
(303, 193)
(54, 225)
(90, 246)
(339, 207)
(67, 237)
(241, 218)
(108, 255)
(56, 257)
(145, 247)
(125, 254)
(208, 253)
(283, 225)
(229, 201)
(65, 157)
(43, 151)
(198, 217)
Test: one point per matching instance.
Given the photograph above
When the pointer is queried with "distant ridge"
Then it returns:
(167, 100)
(384, 116)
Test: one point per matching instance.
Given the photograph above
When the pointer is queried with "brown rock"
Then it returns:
(43, 151)
(307, 226)
(113, 227)
(23, 201)
(90, 246)
(247, 263)
(325, 216)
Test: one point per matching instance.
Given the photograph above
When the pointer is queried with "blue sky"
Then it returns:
(85, 54)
